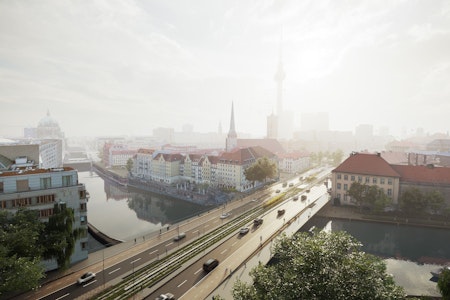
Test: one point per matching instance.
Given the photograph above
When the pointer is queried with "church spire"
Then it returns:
(231, 141)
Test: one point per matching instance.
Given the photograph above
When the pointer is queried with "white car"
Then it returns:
(86, 277)
(166, 296)
(225, 215)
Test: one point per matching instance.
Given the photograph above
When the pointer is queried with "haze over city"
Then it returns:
(127, 67)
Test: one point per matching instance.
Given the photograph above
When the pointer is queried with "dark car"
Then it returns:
(281, 212)
(210, 264)
(257, 221)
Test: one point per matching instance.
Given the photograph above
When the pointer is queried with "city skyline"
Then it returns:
(128, 67)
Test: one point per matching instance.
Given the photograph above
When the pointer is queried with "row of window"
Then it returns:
(345, 188)
(375, 180)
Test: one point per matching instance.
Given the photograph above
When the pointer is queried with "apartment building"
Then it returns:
(365, 168)
(23, 184)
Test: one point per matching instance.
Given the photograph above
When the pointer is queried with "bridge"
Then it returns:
(257, 249)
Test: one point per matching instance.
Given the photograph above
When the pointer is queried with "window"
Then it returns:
(345, 177)
(338, 186)
(46, 183)
(338, 176)
(389, 192)
(345, 187)
(338, 196)
(359, 179)
(83, 220)
(1, 187)
(83, 206)
(67, 180)
(381, 180)
(374, 180)
(390, 181)
(367, 179)
(353, 178)
(84, 245)
(22, 185)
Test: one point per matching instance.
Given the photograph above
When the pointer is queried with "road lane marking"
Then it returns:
(113, 271)
(89, 283)
(234, 244)
(198, 271)
(169, 244)
(135, 260)
(182, 283)
(224, 251)
(195, 231)
(63, 296)
(150, 253)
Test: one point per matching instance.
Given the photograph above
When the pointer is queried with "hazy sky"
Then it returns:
(126, 67)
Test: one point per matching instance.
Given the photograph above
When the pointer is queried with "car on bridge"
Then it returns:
(179, 237)
(257, 221)
(166, 296)
(243, 230)
(86, 277)
(225, 215)
(281, 212)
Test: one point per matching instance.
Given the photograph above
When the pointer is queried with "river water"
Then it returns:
(125, 214)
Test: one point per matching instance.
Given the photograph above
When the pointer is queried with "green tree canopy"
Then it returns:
(435, 201)
(129, 165)
(444, 284)
(412, 200)
(322, 266)
(20, 251)
(357, 192)
(59, 235)
(262, 169)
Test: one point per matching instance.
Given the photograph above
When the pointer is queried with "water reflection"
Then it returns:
(128, 213)
(422, 245)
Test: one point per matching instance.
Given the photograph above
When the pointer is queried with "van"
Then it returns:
(210, 264)
(257, 221)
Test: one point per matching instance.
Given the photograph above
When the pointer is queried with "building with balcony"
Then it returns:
(23, 184)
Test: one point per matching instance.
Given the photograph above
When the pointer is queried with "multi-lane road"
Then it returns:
(126, 263)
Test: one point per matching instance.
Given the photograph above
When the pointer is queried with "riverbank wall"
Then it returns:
(101, 237)
(352, 213)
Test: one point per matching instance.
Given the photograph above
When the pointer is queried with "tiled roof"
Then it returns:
(146, 151)
(242, 155)
(365, 163)
(270, 144)
(169, 157)
(423, 174)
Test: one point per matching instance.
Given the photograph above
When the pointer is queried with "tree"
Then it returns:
(412, 200)
(444, 284)
(59, 235)
(435, 201)
(337, 157)
(262, 169)
(20, 251)
(321, 266)
(376, 198)
(357, 191)
(129, 165)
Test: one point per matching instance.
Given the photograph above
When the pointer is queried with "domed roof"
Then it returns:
(48, 121)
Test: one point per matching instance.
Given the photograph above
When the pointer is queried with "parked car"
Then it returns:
(86, 277)
(166, 296)
(257, 221)
(303, 197)
(277, 191)
(284, 184)
(295, 198)
(243, 230)
(179, 237)
(281, 212)
(291, 184)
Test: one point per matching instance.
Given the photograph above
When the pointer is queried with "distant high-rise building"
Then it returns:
(231, 141)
